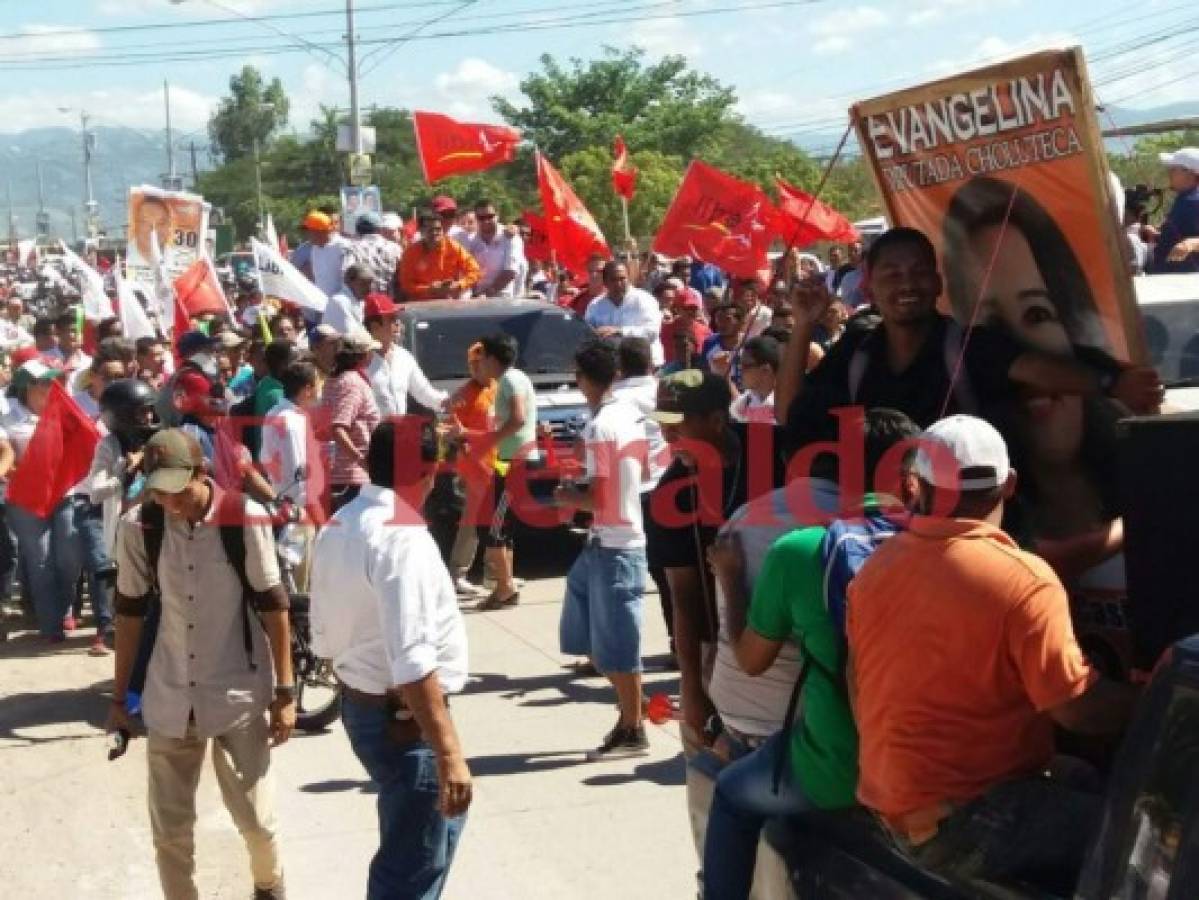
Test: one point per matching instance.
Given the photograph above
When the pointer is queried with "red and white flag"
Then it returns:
(624, 173)
(721, 220)
(572, 231)
(447, 147)
(804, 220)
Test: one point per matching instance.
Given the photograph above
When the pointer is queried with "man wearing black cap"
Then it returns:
(217, 666)
(375, 252)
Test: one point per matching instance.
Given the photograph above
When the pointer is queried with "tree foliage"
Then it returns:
(252, 113)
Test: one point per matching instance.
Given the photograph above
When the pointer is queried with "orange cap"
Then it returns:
(317, 221)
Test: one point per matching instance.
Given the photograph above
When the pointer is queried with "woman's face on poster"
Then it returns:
(1018, 298)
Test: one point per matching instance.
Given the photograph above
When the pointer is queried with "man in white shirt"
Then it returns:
(289, 457)
(601, 615)
(344, 309)
(393, 372)
(625, 310)
(384, 610)
(500, 256)
(329, 255)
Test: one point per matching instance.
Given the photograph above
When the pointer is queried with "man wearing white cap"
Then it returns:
(962, 660)
(1177, 249)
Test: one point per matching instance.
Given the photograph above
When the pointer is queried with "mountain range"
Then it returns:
(126, 156)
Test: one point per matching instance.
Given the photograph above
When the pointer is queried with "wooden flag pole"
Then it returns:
(624, 208)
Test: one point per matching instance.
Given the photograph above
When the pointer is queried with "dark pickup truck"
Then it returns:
(1146, 845)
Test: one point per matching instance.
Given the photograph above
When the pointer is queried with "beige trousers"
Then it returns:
(241, 760)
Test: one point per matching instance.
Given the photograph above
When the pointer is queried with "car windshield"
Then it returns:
(548, 340)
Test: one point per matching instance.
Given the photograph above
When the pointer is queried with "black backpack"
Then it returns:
(233, 540)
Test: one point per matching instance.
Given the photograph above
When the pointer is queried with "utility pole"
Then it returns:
(43, 217)
(12, 217)
(90, 207)
(352, 65)
(258, 186)
(171, 181)
(195, 169)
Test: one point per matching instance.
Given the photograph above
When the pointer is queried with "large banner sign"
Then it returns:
(180, 222)
(1003, 168)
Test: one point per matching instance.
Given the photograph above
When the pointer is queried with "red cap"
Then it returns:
(379, 306)
(192, 384)
(688, 300)
(444, 204)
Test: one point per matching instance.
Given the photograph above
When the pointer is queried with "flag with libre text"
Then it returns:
(572, 231)
(57, 458)
(624, 174)
(281, 279)
(721, 220)
(804, 220)
(447, 147)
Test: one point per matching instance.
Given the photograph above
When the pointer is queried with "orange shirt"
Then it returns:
(474, 410)
(959, 643)
(449, 261)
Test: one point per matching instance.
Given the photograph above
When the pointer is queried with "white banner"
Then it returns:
(284, 281)
(134, 321)
(96, 305)
(179, 223)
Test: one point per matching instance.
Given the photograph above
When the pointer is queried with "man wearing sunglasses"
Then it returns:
(501, 256)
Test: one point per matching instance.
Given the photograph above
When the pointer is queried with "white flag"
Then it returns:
(96, 305)
(281, 279)
(164, 290)
(134, 321)
(27, 253)
(272, 236)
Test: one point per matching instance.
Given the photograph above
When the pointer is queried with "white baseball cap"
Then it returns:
(1186, 158)
(963, 453)
(391, 222)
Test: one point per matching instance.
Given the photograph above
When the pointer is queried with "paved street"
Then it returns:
(544, 823)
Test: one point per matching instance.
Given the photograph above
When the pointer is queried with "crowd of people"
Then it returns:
(814, 468)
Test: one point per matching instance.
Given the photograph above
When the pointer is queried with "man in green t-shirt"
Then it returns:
(515, 441)
(799, 595)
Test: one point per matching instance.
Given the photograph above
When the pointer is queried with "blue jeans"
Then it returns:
(743, 801)
(89, 529)
(49, 553)
(416, 842)
(8, 555)
(601, 616)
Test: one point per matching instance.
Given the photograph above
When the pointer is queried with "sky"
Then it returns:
(796, 65)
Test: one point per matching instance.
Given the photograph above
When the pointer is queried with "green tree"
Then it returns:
(664, 106)
(251, 114)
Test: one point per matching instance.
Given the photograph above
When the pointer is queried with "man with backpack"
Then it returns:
(800, 595)
(922, 363)
(204, 561)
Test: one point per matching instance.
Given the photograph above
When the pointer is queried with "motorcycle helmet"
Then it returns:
(127, 409)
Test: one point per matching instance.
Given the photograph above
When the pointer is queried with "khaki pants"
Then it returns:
(241, 761)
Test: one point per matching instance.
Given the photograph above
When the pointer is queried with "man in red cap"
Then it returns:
(394, 372)
(684, 309)
(447, 210)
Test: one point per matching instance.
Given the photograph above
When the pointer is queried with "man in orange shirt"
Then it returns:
(436, 267)
(962, 659)
(472, 406)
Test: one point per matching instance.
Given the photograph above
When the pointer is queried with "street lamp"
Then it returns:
(258, 176)
(90, 206)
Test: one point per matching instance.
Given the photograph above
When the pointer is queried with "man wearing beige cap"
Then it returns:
(220, 658)
(1177, 248)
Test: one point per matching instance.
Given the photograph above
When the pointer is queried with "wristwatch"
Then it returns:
(286, 691)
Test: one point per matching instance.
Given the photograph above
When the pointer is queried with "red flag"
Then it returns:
(624, 174)
(571, 229)
(59, 455)
(720, 220)
(537, 247)
(804, 220)
(447, 147)
(198, 291)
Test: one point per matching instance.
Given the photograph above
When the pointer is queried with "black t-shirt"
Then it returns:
(919, 391)
(676, 539)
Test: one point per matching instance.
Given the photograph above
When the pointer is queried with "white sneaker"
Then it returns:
(466, 588)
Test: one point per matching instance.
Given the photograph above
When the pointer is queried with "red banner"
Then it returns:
(59, 455)
(624, 175)
(572, 231)
(447, 147)
(721, 220)
(198, 290)
(805, 220)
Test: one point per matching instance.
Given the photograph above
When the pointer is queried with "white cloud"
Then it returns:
(854, 20)
(831, 45)
(661, 37)
(932, 11)
(192, 9)
(132, 108)
(53, 39)
(994, 49)
(465, 90)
